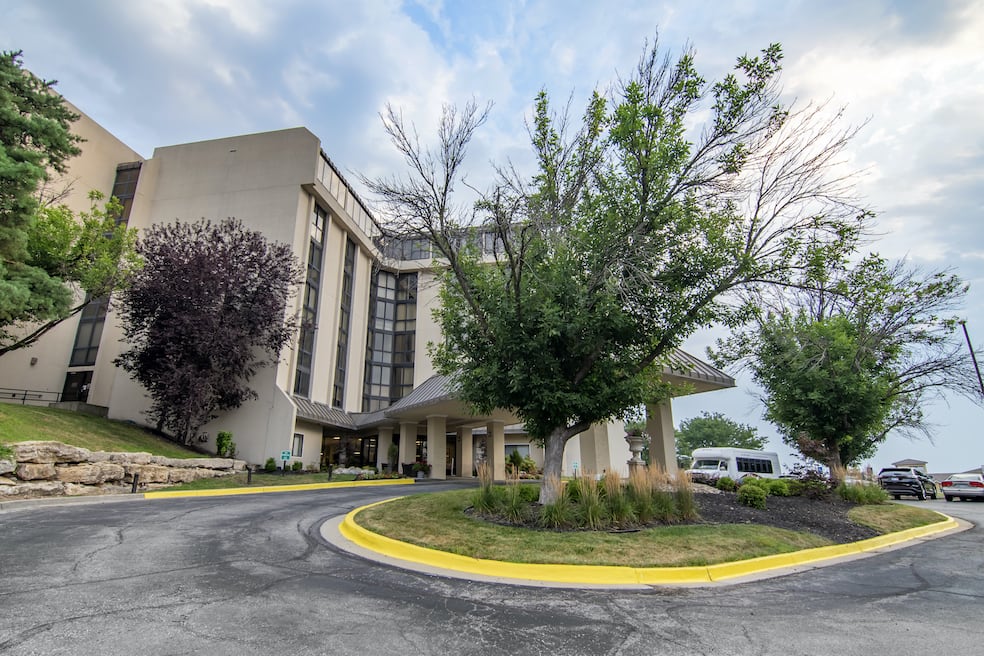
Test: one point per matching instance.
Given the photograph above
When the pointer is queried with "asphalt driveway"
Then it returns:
(252, 575)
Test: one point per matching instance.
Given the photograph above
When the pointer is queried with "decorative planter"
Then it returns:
(636, 445)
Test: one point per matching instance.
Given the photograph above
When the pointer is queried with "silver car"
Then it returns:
(965, 487)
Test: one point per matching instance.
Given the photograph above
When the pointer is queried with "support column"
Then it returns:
(383, 442)
(495, 449)
(408, 443)
(437, 446)
(466, 452)
(662, 442)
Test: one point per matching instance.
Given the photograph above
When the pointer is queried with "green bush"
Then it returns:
(224, 446)
(862, 494)
(529, 493)
(756, 482)
(752, 496)
(270, 465)
(726, 484)
(297, 466)
(778, 487)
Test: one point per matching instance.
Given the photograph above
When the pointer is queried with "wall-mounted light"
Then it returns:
(34, 361)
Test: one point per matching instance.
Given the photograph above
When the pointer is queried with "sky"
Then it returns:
(164, 72)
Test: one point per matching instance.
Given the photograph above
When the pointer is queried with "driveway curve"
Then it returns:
(253, 575)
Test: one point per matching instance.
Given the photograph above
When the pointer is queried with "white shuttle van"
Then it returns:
(711, 464)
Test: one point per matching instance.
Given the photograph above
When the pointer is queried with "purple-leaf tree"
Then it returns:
(206, 311)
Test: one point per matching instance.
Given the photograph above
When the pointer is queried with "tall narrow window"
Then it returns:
(390, 344)
(309, 310)
(344, 321)
(93, 318)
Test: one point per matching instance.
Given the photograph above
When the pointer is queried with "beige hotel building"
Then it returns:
(361, 378)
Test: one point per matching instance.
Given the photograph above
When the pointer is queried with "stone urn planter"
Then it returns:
(636, 444)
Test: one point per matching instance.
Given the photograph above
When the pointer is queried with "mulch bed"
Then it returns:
(824, 517)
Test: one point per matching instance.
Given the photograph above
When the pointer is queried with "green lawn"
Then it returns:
(22, 423)
(438, 521)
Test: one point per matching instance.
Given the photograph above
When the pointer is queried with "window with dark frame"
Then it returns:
(297, 446)
(344, 324)
(309, 311)
(390, 342)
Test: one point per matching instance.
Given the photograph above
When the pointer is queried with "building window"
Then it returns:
(297, 447)
(309, 311)
(93, 318)
(344, 323)
(390, 343)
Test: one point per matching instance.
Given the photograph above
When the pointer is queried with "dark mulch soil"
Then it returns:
(823, 517)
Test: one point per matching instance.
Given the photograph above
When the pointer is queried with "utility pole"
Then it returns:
(963, 324)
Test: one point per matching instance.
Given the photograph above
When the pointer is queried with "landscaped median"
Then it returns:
(171, 494)
(620, 575)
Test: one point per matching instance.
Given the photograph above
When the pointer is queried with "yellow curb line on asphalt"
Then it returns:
(272, 488)
(620, 575)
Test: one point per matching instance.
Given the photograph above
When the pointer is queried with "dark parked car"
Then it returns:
(899, 481)
(965, 487)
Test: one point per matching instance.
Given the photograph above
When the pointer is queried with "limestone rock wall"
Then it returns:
(45, 469)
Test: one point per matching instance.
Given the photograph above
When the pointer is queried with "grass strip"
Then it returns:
(438, 521)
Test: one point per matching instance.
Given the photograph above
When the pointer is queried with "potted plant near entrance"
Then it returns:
(421, 469)
(392, 454)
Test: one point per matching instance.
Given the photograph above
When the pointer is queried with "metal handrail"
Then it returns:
(25, 396)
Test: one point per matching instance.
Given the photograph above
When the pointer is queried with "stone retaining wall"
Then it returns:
(46, 469)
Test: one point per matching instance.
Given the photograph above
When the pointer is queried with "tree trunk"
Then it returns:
(553, 465)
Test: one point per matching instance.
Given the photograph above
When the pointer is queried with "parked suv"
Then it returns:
(906, 480)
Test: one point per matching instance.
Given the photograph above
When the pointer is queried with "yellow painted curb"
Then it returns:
(272, 488)
(617, 575)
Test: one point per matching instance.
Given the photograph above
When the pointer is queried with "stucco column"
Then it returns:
(437, 446)
(495, 449)
(466, 452)
(383, 442)
(408, 443)
(662, 440)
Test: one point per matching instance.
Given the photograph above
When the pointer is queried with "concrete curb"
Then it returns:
(433, 561)
(164, 494)
(22, 504)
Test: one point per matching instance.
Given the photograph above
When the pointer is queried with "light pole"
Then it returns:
(963, 324)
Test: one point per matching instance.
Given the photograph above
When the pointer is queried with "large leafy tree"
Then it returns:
(48, 255)
(713, 429)
(564, 293)
(850, 357)
(91, 253)
(205, 312)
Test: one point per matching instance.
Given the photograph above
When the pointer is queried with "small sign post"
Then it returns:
(285, 456)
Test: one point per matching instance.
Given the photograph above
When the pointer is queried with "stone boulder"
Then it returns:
(33, 471)
(95, 473)
(49, 453)
(7, 466)
(33, 489)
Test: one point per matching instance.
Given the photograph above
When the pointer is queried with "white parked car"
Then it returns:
(965, 487)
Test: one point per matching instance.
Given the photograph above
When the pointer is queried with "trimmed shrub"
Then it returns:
(726, 484)
(752, 496)
(778, 487)
(297, 466)
(270, 465)
(756, 482)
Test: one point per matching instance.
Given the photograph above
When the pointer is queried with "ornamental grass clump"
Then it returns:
(621, 510)
(559, 514)
(488, 497)
(686, 505)
(591, 505)
(640, 493)
(862, 494)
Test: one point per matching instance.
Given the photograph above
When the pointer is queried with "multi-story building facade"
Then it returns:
(358, 377)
